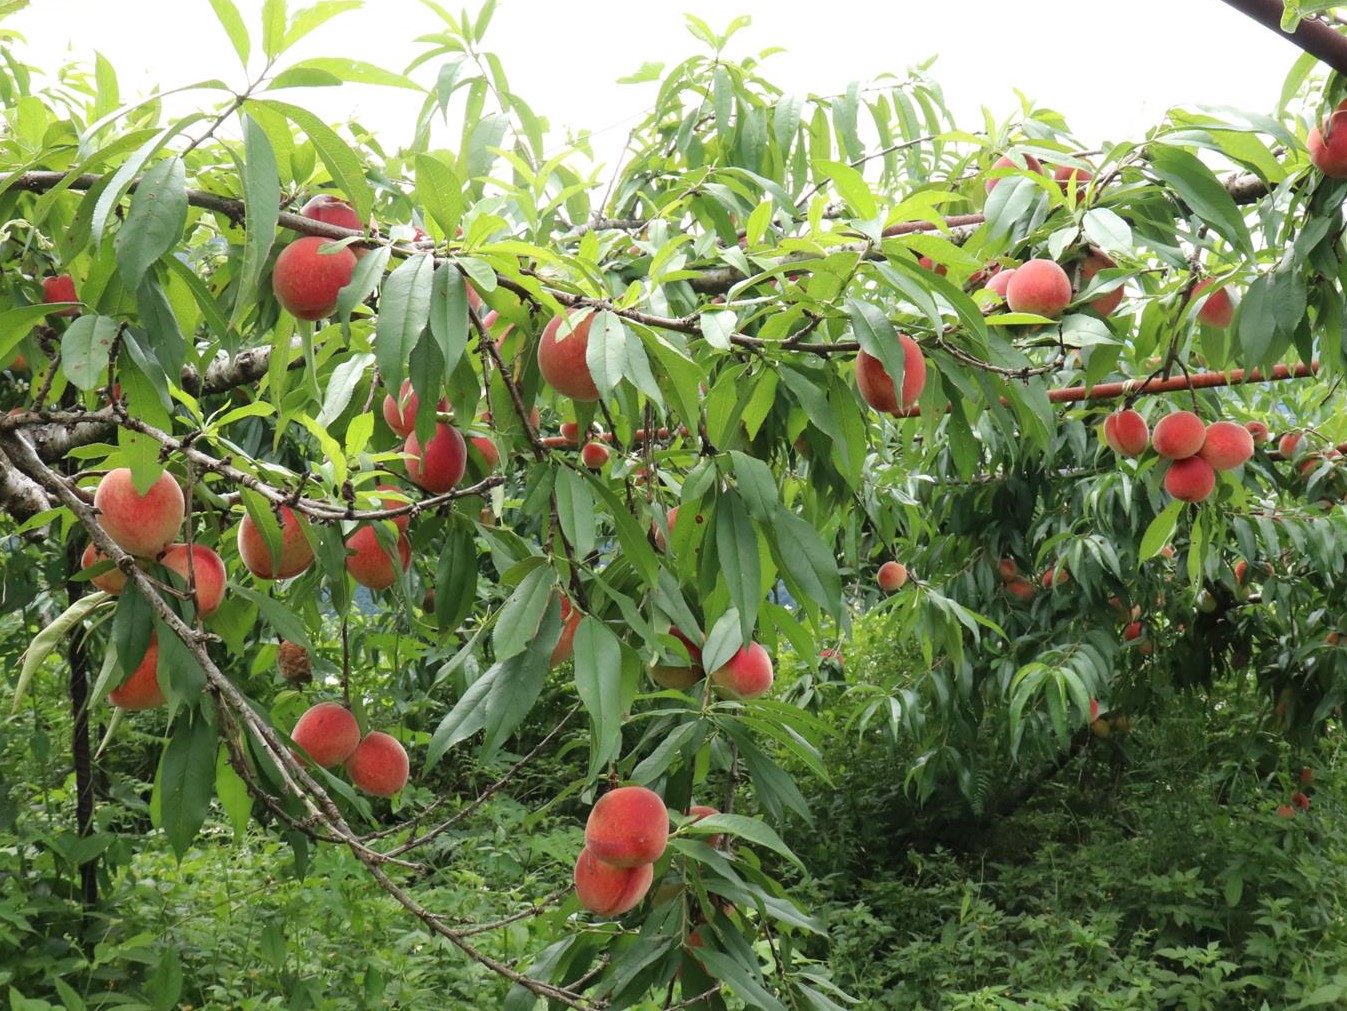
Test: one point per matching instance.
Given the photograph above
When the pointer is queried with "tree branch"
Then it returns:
(1315, 37)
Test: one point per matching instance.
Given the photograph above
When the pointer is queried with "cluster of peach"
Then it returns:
(1196, 450)
(1022, 588)
(626, 832)
(1300, 800)
(329, 736)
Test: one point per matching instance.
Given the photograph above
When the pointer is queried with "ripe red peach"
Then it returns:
(928, 264)
(1127, 433)
(1021, 589)
(142, 525)
(891, 576)
(1031, 163)
(60, 288)
(378, 765)
(606, 890)
(1227, 445)
(1096, 260)
(746, 675)
(1190, 480)
(561, 360)
(1040, 287)
(332, 210)
(570, 431)
(1327, 144)
(328, 733)
(208, 569)
(999, 281)
(628, 827)
(570, 621)
(1066, 175)
(400, 412)
(141, 689)
(699, 811)
(1179, 435)
(440, 467)
(876, 386)
(307, 282)
(1258, 431)
(296, 551)
(594, 455)
(396, 500)
(113, 581)
(679, 676)
(1056, 576)
(1289, 444)
(369, 564)
(1218, 310)
(490, 454)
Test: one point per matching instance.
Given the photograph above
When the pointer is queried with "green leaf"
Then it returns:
(155, 221)
(737, 551)
(273, 27)
(234, 796)
(598, 681)
(356, 72)
(449, 314)
(404, 311)
(84, 350)
(262, 205)
(1105, 228)
(186, 779)
(519, 619)
(718, 327)
(45, 643)
(850, 185)
(132, 626)
(520, 682)
(1159, 531)
(232, 22)
(1199, 188)
(439, 192)
(575, 509)
(800, 550)
(341, 162)
(15, 324)
(287, 624)
(456, 578)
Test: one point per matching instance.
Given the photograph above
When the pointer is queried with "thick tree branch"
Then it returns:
(1315, 37)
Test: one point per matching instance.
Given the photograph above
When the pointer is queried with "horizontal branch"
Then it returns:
(1316, 38)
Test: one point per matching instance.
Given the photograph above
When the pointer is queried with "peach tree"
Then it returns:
(451, 428)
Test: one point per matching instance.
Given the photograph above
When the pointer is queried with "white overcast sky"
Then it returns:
(1112, 71)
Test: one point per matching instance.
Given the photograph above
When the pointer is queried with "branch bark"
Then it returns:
(1314, 37)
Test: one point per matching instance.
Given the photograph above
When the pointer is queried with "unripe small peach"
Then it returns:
(1285, 811)
(1040, 287)
(142, 525)
(378, 765)
(891, 577)
(1179, 435)
(928, 264)
(1301, 800)
(328, 733)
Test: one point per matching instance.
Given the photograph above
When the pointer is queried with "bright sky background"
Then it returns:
(1111, 71)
